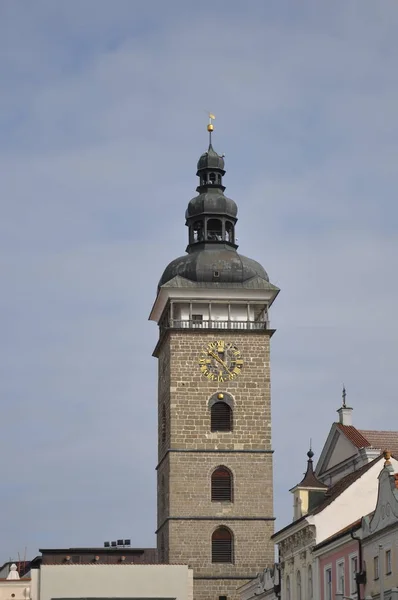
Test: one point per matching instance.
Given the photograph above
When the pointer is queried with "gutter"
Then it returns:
(360, 577)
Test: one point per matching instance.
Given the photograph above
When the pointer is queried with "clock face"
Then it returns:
(221, 361)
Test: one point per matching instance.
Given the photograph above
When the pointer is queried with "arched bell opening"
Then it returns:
(229, 232)
(214, 230)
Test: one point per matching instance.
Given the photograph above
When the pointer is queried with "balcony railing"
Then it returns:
(194, 324)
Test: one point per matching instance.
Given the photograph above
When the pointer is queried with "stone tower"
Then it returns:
(214, 472)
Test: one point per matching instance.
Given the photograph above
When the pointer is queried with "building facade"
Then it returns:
(304, 572)
(347, 448)
(109, 581)
(380, 536)
(338, 563)
(215, 483)
(15, 588)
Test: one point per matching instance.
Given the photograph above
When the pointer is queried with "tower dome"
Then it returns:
(210, 160)
(214, 265)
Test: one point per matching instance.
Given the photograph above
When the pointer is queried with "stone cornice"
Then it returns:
(298, 543)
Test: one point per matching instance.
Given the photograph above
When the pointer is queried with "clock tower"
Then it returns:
(214, 472)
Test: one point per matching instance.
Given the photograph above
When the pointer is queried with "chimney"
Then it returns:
(345, 415)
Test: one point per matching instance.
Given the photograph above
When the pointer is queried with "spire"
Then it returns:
(211, 216)
(310, 480)
(345, 412)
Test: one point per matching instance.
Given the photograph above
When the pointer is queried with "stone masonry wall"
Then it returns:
(184, 475)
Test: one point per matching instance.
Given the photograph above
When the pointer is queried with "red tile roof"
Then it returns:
(367, 438)
(384, 440)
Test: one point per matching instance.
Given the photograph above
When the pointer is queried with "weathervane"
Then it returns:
(344, 394)
(210, 126)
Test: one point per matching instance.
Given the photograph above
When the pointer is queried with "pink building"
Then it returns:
(338, 559)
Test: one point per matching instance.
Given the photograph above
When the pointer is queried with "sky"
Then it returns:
(102, 119)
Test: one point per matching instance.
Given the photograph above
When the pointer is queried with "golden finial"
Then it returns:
(387, 456)
(210, 126)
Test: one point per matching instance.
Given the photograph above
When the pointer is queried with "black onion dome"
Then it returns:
(212, 201)
(200, 267)
(211, 160)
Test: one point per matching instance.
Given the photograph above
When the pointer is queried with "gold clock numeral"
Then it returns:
(220, 361)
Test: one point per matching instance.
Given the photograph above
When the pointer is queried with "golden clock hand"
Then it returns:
(218, 359)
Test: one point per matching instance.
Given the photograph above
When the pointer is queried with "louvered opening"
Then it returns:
(221, 417)
(221, 543)
(221, 485)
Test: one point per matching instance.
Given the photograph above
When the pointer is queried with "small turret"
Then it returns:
(309, 492)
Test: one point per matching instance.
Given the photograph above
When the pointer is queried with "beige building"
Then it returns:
(122, 581)
(380, 537)
(215, 486)
(65, 579)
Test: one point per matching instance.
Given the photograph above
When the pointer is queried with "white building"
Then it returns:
(12, 587)
(380, 537)
(266, 586)
(322, 515)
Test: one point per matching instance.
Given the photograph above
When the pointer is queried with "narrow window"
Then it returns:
(288, 588)
(221, 485)
(310, 584)
(328, 584)
(221, 417)
(298, 584)
(353, 572)
(376, 567)
(388, 562)
(221, 546)
(163, 423)
(340, 578)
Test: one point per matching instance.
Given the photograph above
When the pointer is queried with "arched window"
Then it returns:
(214, 230)
(288, 588)
(221, 417)
(298, 585)
(310, 584)
(221, 546)
(212, 177)
(221, 485)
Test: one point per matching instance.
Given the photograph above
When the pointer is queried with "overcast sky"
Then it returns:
(102, 119)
